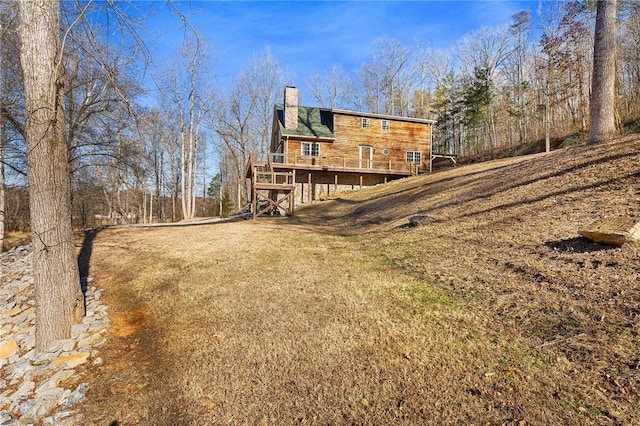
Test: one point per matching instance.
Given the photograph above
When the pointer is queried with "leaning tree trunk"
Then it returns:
(57, 284)
(602, 108)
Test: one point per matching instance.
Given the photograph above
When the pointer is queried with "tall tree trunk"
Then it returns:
(159, 183)
(3, 139)
(57, 282)
(144, 204)
(547, 125)
(183, 161)
(3, 127)
(602, 108)
(194, 160)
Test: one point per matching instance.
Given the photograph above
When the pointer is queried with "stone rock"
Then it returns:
(60, 418)
(91, 340)
(613, 231)
(27, 340)
(18, 369)
(63, 397)
(5, 418)
(29, 380)
(78, 329)
(22, 391)
(43, 358)
(98, 325)
(36, 409)
(77, 395)
(64, 345)
(26, 330)
(8, 348)
(12, 312)
(70, 361)
(54, 380)
(419, 219)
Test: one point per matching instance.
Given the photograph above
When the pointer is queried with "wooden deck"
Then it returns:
(273, 185)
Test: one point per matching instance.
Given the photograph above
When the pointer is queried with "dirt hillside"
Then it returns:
(493, 311)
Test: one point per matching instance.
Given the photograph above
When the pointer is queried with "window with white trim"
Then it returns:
(385, 124)
(310, 149)
(414, 157)
(365, 123)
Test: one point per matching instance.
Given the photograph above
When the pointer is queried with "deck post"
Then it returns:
(361, 179)
(254, 196)
(311, 188)
(335, 183)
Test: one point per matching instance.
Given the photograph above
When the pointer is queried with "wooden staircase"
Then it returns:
(272, 192)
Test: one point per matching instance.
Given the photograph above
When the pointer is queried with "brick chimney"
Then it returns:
(290, 108)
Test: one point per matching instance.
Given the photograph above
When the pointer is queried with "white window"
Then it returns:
(414, 157)
(365, 123)
(310, 149)
(385, 125)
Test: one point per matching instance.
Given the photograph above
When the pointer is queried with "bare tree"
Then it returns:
(629, 59)
(232, 121)
(430, 68)
(11, 97)
(190, 131)
(391, 60)
(183, 89)
(57, 282)
(486, 49)
(263, 83)
(4, 33)
(330, 89)
(371, 94)
(516, 64)
(602, 107)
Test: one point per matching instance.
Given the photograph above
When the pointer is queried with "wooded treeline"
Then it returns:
(497, 91)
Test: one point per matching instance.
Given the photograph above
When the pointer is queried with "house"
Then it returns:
(317, 149)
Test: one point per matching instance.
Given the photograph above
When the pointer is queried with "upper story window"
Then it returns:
(414, 157)
(385, 124)
(365, 123)
(310, 149)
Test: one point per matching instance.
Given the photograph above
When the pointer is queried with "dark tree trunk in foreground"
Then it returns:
(57, 283)
(603, 124)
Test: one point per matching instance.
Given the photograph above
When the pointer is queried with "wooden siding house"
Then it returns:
(313, 146)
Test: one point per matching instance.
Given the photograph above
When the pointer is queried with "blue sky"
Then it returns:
(312, 36)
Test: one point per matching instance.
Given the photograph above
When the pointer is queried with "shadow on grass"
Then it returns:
(84, 257)
(576, 245)
(135, 349)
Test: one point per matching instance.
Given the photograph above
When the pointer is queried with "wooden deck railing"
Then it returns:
(343, 163)
(273, 178)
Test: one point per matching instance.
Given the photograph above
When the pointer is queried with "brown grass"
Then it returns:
(16, 238)
(495, 312)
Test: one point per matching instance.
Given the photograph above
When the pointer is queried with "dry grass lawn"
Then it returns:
(494, 312)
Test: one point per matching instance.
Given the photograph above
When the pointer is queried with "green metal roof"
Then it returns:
(313, 122)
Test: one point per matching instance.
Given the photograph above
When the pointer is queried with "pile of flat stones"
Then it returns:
(37, 387)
